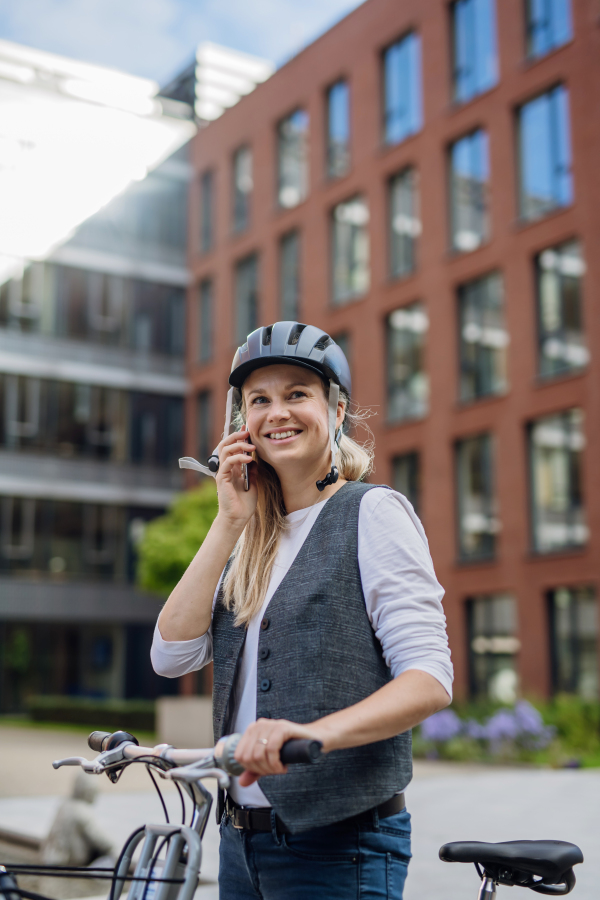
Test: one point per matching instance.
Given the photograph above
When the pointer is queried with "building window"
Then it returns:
(469, 191)
(292, 159)
(17, 528)
(573, 614)
(246, 297)
(483, 338)
(207, 211)
(477, 522)
(546, 180)
(21, 409)
(242, 188)
(338, 129)
(406, 477)
(408, 383)
(204, 425)
(289, 276)
(350, 246)
(205, 315)
(474, 47)
(556, 449)
(562, 345)
(402, 89)
(405, 224)
(493, 647)
(548, 25)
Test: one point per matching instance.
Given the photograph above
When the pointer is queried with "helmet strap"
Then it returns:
(188, 462)
(334, 437)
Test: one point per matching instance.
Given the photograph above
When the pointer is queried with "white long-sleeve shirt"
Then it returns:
(403, 599)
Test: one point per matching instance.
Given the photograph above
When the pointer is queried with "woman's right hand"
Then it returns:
(236, 504)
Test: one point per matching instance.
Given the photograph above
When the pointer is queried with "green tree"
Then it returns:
(170, 542)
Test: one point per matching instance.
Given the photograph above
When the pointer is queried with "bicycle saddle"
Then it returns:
(521, 862)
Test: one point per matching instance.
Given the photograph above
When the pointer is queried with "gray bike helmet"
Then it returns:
(295, 344)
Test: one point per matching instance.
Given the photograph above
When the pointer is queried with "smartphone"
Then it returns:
(245, 475)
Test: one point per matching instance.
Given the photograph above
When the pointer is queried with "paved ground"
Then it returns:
(447, 802)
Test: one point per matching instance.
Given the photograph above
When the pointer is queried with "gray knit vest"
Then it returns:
(317, 654)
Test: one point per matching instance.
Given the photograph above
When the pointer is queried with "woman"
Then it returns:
(315, 595)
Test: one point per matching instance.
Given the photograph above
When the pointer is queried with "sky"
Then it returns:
(157, 38)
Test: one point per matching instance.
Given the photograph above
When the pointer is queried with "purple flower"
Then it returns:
(475, 730)
(502, 726)
(528, 718)
(442, 726)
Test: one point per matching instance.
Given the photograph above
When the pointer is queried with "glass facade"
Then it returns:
(405, 224)
(474, 47)
(338, 129)
(204, 424)
(559, 275)
(148, 221)
(469, 192)
(205, 320)
(406, 477)
(546, 180)
(548, 25)
(82, 421)
(292, 159)
(242, 188)
(483, 338)
(402, 89)
(65, 540)
(63, 301)
(477, 521)
(493, 647)
(289, 276)
(407, 379)
(573, 615)
(351, 251)
(558, 513)
(246, 297)
(207, 211)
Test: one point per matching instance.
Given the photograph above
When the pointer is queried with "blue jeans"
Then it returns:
(337, 862)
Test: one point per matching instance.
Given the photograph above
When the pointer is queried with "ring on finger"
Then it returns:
(263, 741)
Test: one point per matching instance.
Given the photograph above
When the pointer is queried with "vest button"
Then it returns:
(264, 624)
(263, 652)
(265, 684)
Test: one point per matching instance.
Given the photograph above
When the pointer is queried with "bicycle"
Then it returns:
(169, 863)
(170, 857)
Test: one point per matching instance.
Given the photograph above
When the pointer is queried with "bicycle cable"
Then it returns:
(159, 792)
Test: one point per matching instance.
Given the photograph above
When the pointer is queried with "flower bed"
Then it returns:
(564, 732)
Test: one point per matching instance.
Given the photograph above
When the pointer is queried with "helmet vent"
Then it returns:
(324, 342)
(295, 334)
(266, 338)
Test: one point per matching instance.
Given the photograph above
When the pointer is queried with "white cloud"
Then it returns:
(156, 38)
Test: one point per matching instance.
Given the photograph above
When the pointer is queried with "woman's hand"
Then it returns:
(236, 504)
(260, 745)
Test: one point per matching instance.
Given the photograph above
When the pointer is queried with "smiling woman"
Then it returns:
(317, 601)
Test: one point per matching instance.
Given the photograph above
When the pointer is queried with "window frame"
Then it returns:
(486, 555)
(387, 142)
(207, 219)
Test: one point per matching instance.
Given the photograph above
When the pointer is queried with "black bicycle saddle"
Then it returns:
(521, 862)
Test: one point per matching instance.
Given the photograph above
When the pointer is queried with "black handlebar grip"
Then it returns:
(300, 750)
(104, 740)
(96, 740)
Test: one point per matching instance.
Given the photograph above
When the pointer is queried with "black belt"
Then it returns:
(259, 818)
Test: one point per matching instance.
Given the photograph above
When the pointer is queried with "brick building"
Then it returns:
(421, 182)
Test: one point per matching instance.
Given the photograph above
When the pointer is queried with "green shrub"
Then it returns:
(170, 542)
(100, 715)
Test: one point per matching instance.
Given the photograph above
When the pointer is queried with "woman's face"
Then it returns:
(286, 415)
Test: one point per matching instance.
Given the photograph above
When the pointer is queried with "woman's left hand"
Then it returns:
(260, 745)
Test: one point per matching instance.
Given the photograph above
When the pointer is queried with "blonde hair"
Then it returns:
(248, 576)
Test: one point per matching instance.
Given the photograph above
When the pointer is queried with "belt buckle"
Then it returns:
(243, 818)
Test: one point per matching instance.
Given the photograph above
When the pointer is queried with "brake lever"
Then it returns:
(195, 772)
(93, 766)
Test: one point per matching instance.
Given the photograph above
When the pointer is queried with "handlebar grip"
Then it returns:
(96, 740)
(105, 740)
(300, 750)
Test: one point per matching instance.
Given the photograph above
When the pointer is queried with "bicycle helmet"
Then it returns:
(291, 343)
